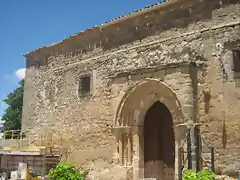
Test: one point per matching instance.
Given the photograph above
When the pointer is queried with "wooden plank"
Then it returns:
(21, 153)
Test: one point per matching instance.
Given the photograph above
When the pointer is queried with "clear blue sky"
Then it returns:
(28, 24)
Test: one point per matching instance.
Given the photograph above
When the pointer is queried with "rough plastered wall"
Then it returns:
(180, 33)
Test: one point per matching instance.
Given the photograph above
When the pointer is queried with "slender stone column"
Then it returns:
(116, 158)
(120, 143)
(180, 133)
(138, 161)
(116, 153)
(125, 149)
(129, 149)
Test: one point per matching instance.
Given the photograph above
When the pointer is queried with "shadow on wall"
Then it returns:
(207, 99)
(224, 135)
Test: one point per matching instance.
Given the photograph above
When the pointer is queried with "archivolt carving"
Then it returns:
(139, 99)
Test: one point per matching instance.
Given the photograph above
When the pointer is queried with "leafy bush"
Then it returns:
(206, 175)
(189, 174)
(65, 171)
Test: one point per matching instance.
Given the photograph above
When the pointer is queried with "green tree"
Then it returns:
(13, 114)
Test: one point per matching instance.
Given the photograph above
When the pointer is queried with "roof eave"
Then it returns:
(114, 21)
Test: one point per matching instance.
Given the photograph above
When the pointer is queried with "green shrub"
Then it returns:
(65, 171)
(189, 174)
(206, 175)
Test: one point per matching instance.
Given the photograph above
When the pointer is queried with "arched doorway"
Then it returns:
(147, 103)
(159, 143)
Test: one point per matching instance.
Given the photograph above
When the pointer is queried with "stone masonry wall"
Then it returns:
(156, 45)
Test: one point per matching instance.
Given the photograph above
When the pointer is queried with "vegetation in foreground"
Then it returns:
(65, 171)
(189, 174)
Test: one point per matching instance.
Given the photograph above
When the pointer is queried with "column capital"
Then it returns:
(180, 131)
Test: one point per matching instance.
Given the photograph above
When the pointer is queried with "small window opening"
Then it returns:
(236, 60)
(85, 84)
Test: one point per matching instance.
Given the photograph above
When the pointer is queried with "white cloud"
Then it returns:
(20, 73)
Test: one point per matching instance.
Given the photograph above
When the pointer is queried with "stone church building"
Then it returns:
(122, 93)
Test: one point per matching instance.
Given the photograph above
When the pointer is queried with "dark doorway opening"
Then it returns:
(159, 143)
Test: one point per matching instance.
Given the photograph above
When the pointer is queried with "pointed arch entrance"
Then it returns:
(159, 143)
(147, 112)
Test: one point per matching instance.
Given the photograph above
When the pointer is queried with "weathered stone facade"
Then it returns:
(178, 52)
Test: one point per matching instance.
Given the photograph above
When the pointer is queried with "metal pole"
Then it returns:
(180, 163)
(197, 133)
(212, 159)
(193, 148)
(189, 149)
